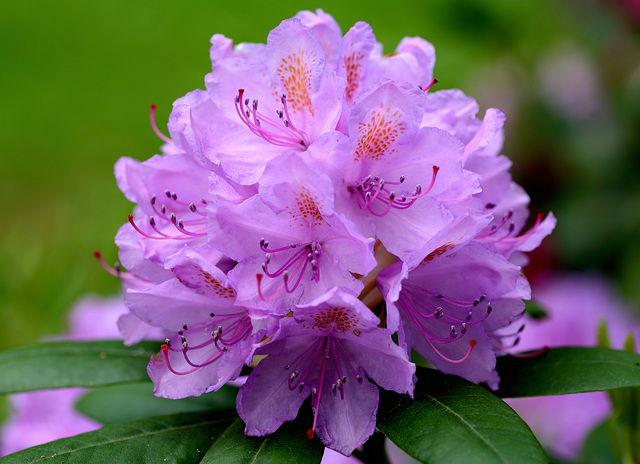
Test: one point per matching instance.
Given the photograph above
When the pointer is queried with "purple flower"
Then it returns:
(328, 350)
(314, 180)
(392, 174)
(213, 338)
(290, 236)
(449, 306)
(576, 305)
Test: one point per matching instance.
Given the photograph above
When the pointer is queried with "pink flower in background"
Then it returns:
(42, 416)
(576, 305)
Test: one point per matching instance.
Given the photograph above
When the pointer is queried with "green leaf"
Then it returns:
(452, 420)
(562, 371)
(128, 402)
(597, 449)
(534, 310)
(290, 444)
(180, 438)
(73, 364)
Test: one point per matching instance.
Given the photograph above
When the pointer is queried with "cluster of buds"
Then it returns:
(316, 199)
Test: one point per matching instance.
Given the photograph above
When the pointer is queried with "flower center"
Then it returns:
(378, 196)
(496, 232)
(167, 214)
(442, 314)
(293, 260)
(328, 354)
(280, 131)
(205, 344)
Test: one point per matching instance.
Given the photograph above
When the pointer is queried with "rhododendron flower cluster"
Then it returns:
(315, 199)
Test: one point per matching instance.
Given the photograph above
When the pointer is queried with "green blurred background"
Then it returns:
(77, 79)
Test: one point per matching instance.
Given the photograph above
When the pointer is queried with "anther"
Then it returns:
(184, 326)
(359, 379)
(180, 332)
(167, 193)
(212, 315)
(402, 178)
(301, 386)
(192, 207)
(153, 200)
(489, 309)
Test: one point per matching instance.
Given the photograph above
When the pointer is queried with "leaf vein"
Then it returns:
(470, 426)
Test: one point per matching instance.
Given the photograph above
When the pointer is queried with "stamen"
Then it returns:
(311, 432)
(152, 118)
(302, 257)
(285, 135)
(433, 82)
(369, 191)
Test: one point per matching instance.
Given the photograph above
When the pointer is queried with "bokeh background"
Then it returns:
(77, 79)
